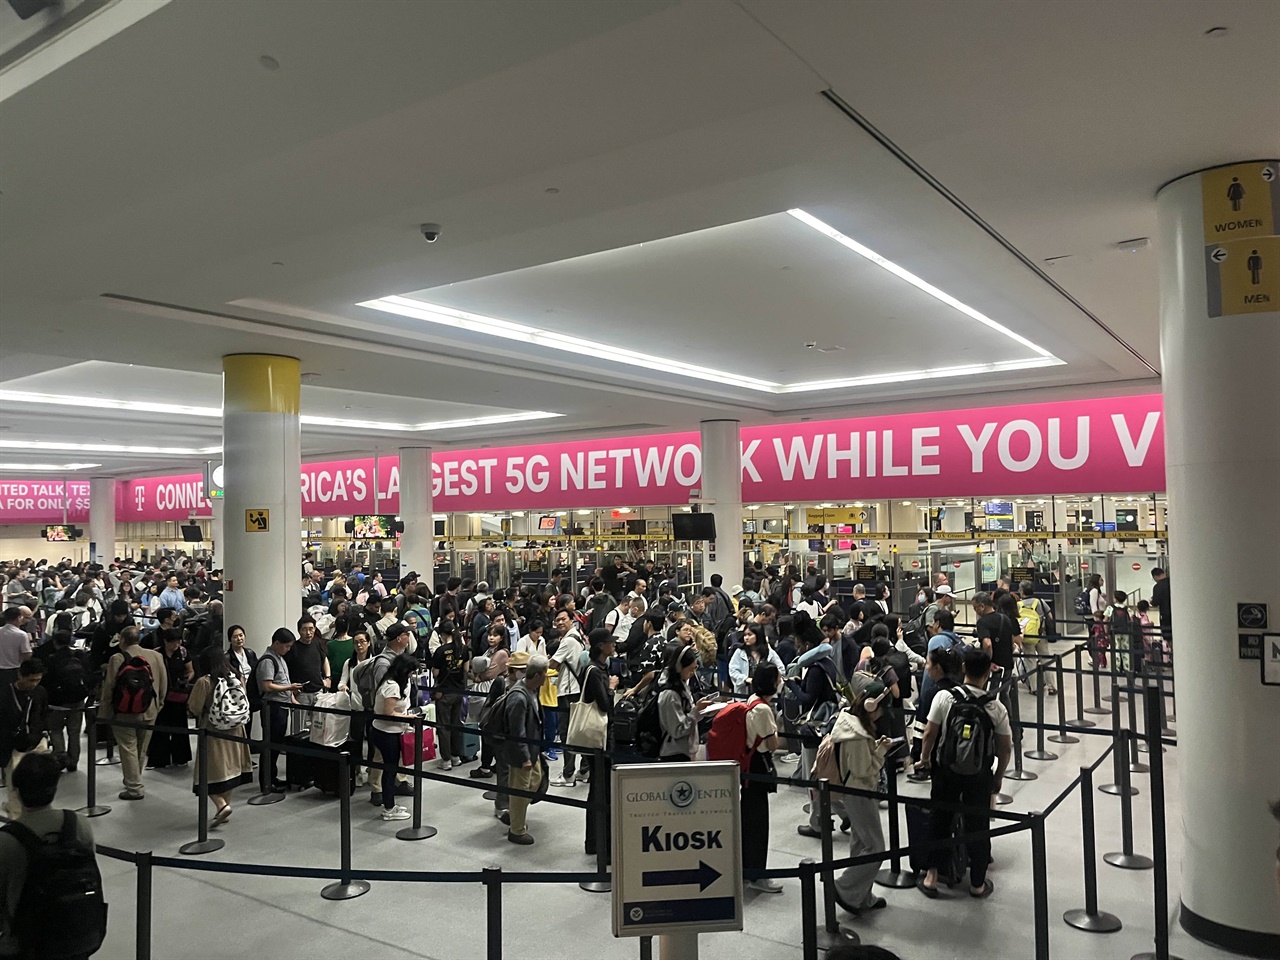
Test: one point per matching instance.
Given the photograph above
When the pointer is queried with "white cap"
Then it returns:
(942, 589)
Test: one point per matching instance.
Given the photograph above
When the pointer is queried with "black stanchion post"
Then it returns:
(895, 876)
(831, 934)
(1154, 712)
(1079, 720)
(1126, 859)
(91, 807)
(417, 831)
(1039, 753)
(1135, 765)
(110, 759)
(142, 933)
(1097, 707)
(1015, 718)
(264, 763)
(646, 948)
(1061, 736)
(345, 888)
(809, 908)
(202, 843)
(1090, 919)
(600, 783)
(1040, 877)
(493, 913)
(1119, 784)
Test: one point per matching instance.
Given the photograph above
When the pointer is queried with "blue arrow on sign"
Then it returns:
(704, 877)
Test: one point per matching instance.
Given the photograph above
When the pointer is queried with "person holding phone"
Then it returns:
(860, 756)
(278, 691)
(678, 712)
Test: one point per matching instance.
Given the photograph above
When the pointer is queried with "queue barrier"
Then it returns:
(349, 882)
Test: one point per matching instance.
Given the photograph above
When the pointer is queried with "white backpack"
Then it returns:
(229, 704)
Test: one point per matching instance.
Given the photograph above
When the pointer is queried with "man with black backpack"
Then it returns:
(51, 903)
(66, 679)
(968, 733)
(133, 689)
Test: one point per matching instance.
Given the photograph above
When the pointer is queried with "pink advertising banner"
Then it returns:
(1108, 445)
(41, 501)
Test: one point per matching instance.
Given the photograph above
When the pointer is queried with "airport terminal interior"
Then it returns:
(659, 478)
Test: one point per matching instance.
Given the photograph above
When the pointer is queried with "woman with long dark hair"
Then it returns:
(229, 762)
(391, 716)
(677, 710)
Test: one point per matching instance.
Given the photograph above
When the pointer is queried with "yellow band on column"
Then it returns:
(261, 383)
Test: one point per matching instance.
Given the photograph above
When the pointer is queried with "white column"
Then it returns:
(1219, 343)
(418, 540)
(102, 518)
(217, 529)
(262, 461)
(722, 482)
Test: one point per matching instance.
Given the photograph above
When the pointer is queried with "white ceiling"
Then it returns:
(230, 208)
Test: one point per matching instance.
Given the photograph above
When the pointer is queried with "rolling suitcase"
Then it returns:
(920, 830)
(471, 731)
(322, 773)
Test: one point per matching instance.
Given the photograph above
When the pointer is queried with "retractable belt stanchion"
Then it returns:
(91, 807)
(832, 934)
(1015, 717)
(417, 831)
(1079, 720)
(1135, 765)
(1090, 919)
(1039, 753)
(493, 912)
(895, 876)
(1120, 784)
(267, 795)
(1126, 859)
(142, 928)
(1040, 879)
(1097, 707)
(110, 759)
(599, 779)
(1154, 709)
(809, 908)
(202, 843)
(345, 888)
(1062, 736)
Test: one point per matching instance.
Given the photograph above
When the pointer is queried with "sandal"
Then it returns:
(930, 892)
(988, 888)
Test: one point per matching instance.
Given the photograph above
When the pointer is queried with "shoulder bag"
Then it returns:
(588, 724)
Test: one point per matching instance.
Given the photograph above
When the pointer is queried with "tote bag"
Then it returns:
(588, 725)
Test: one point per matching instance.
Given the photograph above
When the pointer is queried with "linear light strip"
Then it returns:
(48, 466)
(930, 373)
(505, 329)
(905, 274)
(106, 448)
(176, 409)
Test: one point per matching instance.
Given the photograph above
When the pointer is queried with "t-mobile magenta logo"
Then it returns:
(139, 495)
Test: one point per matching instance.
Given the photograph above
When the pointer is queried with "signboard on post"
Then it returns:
(1271, 659)
(677, 848)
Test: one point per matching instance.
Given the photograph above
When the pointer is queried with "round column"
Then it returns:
(217, 530)
(418, 540)
(722, 483)
(102, 519)
(262, 506)
(1219, 342)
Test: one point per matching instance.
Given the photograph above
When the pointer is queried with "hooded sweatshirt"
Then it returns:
(859, 754)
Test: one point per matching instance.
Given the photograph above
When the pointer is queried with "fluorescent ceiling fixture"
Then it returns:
(183, 410)
(475, 323)
(509, 330)
(48, 466)
(911, 278)
(105, 448)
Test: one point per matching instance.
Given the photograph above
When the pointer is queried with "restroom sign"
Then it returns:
(1240, 201)
(677, 848)
(1242, 276)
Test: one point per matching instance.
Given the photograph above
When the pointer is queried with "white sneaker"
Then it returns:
(563, 781)
(789, 758)
(396, 813)
(444, 765)
(765, 886)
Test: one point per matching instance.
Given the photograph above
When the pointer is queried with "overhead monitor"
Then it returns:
(59, 534)
(1002, 524)
(998, 508)
(693, 526)
(379, 526)
(550, 525)
(191, 533)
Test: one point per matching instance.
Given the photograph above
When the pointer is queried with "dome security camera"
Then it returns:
(430, 232)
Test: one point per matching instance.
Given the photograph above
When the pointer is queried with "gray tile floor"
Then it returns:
(202, 915)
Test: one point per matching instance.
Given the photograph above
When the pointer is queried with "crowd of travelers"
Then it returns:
(776, 673)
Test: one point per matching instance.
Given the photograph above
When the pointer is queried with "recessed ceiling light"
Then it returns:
(524, 333)
(788, 506)
(859, 503)
(906, 503)
(584, 513)
(754, 506)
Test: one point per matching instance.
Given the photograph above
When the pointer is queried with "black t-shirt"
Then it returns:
(450, 660)
(612, 577)
(306, 665)
(997, 627)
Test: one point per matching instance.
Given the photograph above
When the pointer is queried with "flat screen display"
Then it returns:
(191, 533)
(374, 527)
(693, 526)
(1002, 524)
(998, 508)
(550, 524)
(58, 534)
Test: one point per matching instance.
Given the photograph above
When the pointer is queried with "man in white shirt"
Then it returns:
(565, 661)
(973, 789)
(619, 620)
